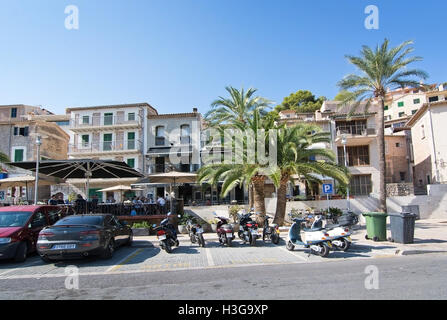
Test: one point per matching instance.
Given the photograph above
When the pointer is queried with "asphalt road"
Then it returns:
(403, 277)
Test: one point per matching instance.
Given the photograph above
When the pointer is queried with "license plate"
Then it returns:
(162, 237)
(329, 245)
(349, 239)
(229, 235)
(199, 230)
(64, 246)
(254, 231)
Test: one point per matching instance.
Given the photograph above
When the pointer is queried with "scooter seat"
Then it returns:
(312, 229)
(332, 226)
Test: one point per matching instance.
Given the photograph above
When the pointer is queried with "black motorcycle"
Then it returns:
(195, 232)
(248, 229)
(167, 235)
(270, 231)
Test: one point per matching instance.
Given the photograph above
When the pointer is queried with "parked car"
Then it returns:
(20, 227)
(83, 235)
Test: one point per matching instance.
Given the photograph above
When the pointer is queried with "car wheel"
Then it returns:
(109, 250)
(21, 252)
(129, 242)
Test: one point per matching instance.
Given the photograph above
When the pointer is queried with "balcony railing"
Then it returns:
(104, 146)
(356, 130)
(161, 168)
(95, 121)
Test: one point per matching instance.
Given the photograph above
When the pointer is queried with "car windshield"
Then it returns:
(14, 218)
(80, 220)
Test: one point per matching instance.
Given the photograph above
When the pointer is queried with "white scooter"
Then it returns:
(318, 241)
(340, 235)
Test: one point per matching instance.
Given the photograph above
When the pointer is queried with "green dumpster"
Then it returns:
(376, 225)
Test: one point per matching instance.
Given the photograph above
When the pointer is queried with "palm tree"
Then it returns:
(381, 70)
(4, 158)
(296, 147)
(241, 110)
(245, 173)
(238, 108)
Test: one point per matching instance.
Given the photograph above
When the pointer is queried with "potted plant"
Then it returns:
(141, 228)
(213, 223)
(182, 223)
(233, 213)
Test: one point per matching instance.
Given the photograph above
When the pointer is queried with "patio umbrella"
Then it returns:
(117, 188)
(81, 168)
(23, 181)
(171, 178)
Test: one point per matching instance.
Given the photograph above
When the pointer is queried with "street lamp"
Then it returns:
(38, 144)
(344, 141)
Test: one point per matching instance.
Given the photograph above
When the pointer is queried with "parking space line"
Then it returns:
(125, 260)
(21, 266)
(209, 257)
(293, 253)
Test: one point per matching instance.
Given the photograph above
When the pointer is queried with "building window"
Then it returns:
(160, 136)
(107, 144)
(13, 112)
(131, 163)
(63, 123)
(24, 131)
(131, 116)
(185, 134)
(402, 176)
(428, 179)
(86, 120)
(131, 140)
(357, 156)
(416, 101)
(19, 155)
(400, 104)
(360, 185)
(108, 119)
(433, 99)
(85, 139)
(422, 132)
(386, 108)
(401, 114)
(414, 111)
(397, 145)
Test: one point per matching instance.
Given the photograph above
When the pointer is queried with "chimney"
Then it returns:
(194, 110)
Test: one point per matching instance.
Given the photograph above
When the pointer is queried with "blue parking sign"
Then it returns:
(327, 188)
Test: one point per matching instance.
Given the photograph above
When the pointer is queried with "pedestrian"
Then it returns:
(52, 201)
(80, 204)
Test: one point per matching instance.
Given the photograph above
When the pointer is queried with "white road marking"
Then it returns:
(21, 266)
(125, 260)
(209, 257)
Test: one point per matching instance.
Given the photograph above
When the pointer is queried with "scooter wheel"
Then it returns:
(290, 246)
(376, 239)
(229, 242)
(346, 245)
(324, 251)
(366, 237)
(275, 239)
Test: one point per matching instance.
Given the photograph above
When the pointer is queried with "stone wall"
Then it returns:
(399, 189)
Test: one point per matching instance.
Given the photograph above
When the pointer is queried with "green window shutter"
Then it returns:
(131, 163)
(18, 155)
(386, 108)
(400, 104)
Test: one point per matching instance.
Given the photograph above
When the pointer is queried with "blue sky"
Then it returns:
(180, 54)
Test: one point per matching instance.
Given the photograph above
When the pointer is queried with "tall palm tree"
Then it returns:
(4, 158)
(296, 149)
(382, 69)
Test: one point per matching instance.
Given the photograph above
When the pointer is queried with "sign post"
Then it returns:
(327, 190)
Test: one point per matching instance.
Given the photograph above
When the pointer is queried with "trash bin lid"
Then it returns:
(374, 214)
(403, 214)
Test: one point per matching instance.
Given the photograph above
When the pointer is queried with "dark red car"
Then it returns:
(20, 227)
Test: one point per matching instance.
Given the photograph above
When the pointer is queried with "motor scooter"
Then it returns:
(195, 232)
(318, 241)
(225, 231)
(167, 234)
(270, 231)
(340, 233)
(248, 229)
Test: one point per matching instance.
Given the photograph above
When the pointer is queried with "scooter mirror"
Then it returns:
(154, 225)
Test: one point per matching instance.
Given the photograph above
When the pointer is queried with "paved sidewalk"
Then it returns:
(430, 237)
